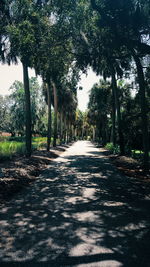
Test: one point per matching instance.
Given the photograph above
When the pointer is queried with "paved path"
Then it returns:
(80, 212)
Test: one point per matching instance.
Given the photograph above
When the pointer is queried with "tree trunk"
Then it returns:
(68, 128)
(67, 131)
(61, 127)
(120, 132)
(55, 113)
(49, 130)
(71, 132)
(143, 104)
(75, 133)
(27, 110)
(64, 130)
(104, 129)
(113, 117)
(93, 134)
(82, 132)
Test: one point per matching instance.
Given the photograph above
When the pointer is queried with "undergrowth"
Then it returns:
(16, 145)
(113, 149)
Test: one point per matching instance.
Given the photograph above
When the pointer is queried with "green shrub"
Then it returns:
(137, 154)
(113, 149)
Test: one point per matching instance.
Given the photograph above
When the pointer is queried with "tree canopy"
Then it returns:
(60, 40)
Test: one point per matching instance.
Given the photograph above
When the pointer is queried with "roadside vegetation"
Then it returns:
(137, 154)
(60, 40)
(16, 146)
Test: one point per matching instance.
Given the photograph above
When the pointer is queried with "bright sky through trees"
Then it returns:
(11, 73)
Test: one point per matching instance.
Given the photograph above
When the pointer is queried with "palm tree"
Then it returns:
(24, 39)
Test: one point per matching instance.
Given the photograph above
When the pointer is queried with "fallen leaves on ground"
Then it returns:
(130, 167)
(19, 172)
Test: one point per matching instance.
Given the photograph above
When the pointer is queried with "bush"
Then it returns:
(113, 149)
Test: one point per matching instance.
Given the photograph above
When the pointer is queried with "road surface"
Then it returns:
(80, 212)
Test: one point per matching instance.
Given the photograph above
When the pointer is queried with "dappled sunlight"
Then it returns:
(103, 263)
(88, 249)
(81, 211)
(113, 204)
(89, 192)
(87, 216)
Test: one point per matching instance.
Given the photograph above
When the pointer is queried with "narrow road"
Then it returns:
(80, 212)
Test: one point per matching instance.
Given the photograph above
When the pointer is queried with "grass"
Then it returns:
(12, 146)
(16, 145)
(39, 142)
(9, 148)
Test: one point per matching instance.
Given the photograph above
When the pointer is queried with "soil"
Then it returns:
(129, 166)
(19, 172)
(81, 211)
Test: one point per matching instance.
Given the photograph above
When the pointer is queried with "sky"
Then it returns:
(8, 74)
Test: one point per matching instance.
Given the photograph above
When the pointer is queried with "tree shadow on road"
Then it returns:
(80, 212)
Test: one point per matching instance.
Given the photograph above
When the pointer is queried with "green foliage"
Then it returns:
(39, 142)
(10, 146)
(22, 31)
(16, 138)
(60, 38)
(12, 109)
(113, 149)
(8, 149)
(5, 114)
(99, 109)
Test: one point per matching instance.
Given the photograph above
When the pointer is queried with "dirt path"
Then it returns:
(80, 212)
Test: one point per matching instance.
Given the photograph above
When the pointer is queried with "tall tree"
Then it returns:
(128, 22)
(99, 107)
(24, 40)
(17, 107)
(4, 21)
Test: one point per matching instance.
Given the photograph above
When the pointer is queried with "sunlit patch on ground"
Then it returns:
(102, 263)
(80, 212)
(113, 204)
(88, 216)
(88, 249)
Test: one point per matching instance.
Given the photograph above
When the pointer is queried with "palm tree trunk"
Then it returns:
(61, 127)
(113, 117)
(67, 129)
(27, 110)
(104, 129)
(75, 133)
(143, 104)
(82, 132)
(93, 134)
(120, 132)
(71, 132)
(55, 113)
(64, 130)
(49, 130)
